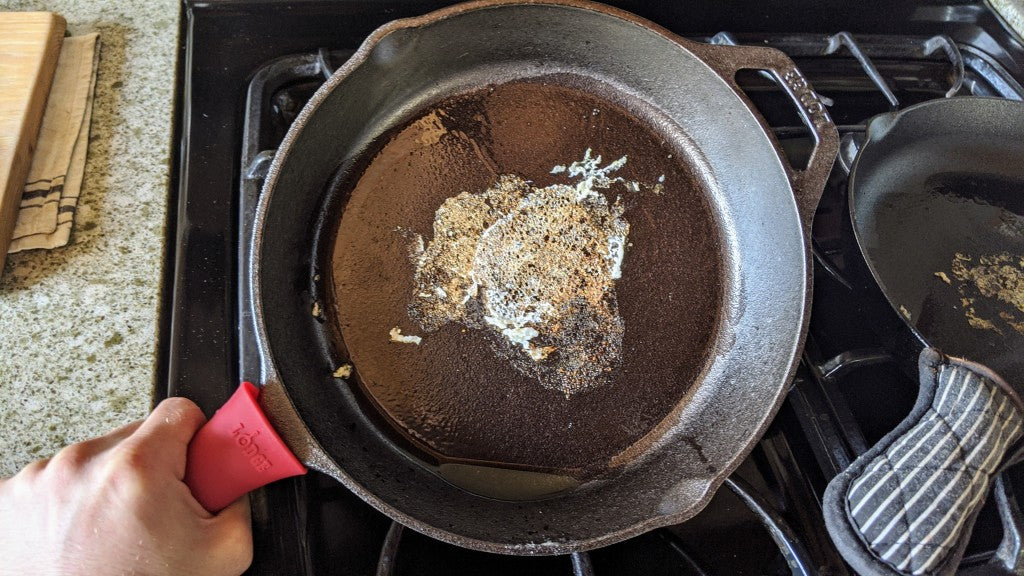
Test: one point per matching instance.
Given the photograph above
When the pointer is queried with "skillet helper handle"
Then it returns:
(808, 183)
(236, 452)
(907, 506)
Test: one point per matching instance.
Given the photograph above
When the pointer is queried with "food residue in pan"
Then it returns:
(343, 371)
(536, 267)
(397, 336)
(999, 278)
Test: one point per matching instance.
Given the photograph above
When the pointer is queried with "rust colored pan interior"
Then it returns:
(466, 393)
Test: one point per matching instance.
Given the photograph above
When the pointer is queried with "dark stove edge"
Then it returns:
(162, 387)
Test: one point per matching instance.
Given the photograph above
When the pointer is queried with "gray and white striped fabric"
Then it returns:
(912, 500)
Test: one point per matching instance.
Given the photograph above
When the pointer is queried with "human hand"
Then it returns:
(117, 505)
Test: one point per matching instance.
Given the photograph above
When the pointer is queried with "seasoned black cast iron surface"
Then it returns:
(938, 208)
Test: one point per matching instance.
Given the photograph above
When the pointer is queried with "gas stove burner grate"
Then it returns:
(797, 558)
(829, 418)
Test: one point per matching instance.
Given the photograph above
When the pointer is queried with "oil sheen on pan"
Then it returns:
(527, 276)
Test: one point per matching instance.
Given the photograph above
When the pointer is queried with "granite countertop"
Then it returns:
(78, 324)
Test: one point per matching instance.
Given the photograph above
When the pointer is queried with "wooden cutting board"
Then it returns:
(29, 47)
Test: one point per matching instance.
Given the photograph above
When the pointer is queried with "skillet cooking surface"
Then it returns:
(457, 395)
(939, 212)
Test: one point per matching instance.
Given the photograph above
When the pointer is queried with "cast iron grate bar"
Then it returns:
(892, 66)
(389, 550)
(842, 39)
(785, 538)
(581, 564)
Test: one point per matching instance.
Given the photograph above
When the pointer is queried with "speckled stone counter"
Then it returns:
(78, 324)
(1012, 12)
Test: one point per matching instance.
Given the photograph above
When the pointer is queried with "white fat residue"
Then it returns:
(472, 290)
(515, 325)
(616, 252)
(536, 267)
(397, 336)
(592, 175)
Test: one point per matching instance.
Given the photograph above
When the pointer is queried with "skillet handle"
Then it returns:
(808, 183)
(235, 452)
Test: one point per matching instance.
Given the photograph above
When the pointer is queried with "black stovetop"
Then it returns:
(246, 69)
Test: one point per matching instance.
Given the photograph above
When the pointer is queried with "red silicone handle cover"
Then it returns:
(237, 451)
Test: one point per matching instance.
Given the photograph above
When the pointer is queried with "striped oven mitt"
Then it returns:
(907, 506)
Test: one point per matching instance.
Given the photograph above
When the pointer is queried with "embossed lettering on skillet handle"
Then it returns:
(809, 182)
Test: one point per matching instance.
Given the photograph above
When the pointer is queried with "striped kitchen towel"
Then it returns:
(50, 197)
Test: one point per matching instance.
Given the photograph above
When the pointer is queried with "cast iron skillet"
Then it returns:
(760, 210)
(934, 181)
(937, 206)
